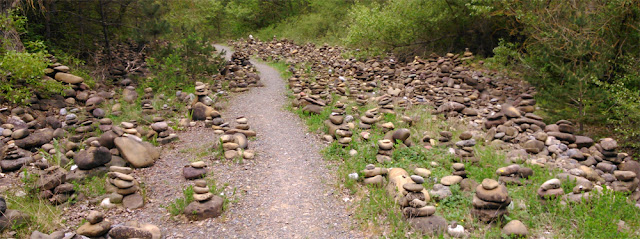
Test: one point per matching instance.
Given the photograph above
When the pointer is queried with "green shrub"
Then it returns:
(21, 75)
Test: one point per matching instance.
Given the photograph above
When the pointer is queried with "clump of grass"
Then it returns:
(91, 187)
(43, 216)
(177, 207)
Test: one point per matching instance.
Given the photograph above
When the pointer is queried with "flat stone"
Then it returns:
(129, 232)
(123, 170)
(202, 197)
(450, 180)
(413, 187)
(422, 172)
(489, 184)
(133, 201)
(624, 175)
(499, 194)
(198, 164)
(424, 211)
(458, 166)
(417, 179)
(190, 172)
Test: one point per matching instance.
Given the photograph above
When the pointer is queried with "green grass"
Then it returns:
(43, 216)
(91, 187)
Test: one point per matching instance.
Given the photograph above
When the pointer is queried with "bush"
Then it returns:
(21, 74)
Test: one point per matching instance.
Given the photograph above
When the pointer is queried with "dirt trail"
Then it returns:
(283, 193)
(287, 190)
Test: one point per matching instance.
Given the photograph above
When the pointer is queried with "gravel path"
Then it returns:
(283, 193)
(287, 190)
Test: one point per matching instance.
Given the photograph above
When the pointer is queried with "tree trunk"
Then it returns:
(10, 37)
(105, 30)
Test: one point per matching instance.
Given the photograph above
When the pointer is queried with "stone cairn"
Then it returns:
(385, 150)
(312, 104)
(411, 195)
(458, 170)
(124, 187)
(14, 158)
(385, 103)
(147, 107)
(627, 181)
(374, 175)
(445, 137)
(195, 170)
(369, 118)
(205, 204)
(105, 124)
(161, 128)
(513, 174)
(490, 201)
(581, 192)
(130, 128)
(234, 145)
(338, 128)
(385, 145)
(53, 186)
(465, 147)
(95, 226)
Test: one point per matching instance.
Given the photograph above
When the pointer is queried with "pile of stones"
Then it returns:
(385, 103)
(53, 185)
(96, 225)
(445, 137)
(459, 170)
(124, 187)
(627, 181)
(235, 145)
(195, 170)
(369, 118)
(465, 148)
(130, 128)
(374, 175)
(14, 158)
(312, 104)
(411, 195)
(205, 204)
(239, 73)
(385, 150)
(490, 201)
(161, 128)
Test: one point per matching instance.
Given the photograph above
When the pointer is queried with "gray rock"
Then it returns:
(133, 201)
(92, 158)
(431, 225)
(203, 210)
(138, 154)
(125, 232)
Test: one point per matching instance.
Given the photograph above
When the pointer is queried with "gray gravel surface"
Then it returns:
(285, 192)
